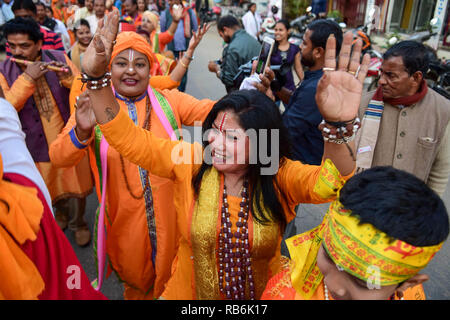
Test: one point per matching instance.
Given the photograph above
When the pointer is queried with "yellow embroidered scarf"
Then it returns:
(358, 249)
(205, 226)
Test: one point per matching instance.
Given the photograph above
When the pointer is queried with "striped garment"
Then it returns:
(52, 40)
(366, 139)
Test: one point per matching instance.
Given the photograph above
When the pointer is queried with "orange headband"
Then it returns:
(127, 40)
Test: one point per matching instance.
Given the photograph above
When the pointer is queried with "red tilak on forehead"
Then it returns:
(222, 122)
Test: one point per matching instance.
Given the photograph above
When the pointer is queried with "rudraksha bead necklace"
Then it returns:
(235, 268)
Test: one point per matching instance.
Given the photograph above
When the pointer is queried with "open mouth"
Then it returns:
(130, 82)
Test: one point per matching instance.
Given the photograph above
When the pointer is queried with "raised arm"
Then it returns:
(71, 145)
(159, 156)
(338, 97)
(183, 63)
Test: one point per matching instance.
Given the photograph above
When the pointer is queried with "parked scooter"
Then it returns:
(299, 26)
(209, 15)
(420, 36)
(438, 77)
(268, 24)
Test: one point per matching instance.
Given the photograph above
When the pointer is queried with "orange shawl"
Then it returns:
(20, 215)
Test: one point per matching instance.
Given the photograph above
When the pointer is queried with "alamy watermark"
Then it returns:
(234, 148)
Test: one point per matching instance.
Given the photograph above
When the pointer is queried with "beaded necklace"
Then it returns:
(235, 267)
(147, 126)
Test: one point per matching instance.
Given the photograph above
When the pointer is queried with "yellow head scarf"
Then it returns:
(361, 250)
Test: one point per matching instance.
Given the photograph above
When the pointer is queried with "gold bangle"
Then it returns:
(182, 64)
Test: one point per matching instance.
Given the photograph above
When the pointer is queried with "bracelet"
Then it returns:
(185, 66)
(190, 58)
(343, 133)
(96, 83)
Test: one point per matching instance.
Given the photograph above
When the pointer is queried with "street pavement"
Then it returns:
(203, 84)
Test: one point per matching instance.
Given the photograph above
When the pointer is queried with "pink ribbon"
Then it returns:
(101, 238)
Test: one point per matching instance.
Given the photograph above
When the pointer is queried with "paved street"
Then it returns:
(203, 84)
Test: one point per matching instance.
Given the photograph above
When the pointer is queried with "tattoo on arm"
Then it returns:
(109, 113)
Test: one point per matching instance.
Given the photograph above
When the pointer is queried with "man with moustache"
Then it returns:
(302, 116)
(241, 48)
(404, 124)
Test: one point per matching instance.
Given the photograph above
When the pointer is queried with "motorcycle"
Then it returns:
(299, 26)
(209, 15)
(268, 27)
(438, 77)
(421, 36)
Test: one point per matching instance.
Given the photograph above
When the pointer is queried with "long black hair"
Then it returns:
(256, 111)
(397, 203)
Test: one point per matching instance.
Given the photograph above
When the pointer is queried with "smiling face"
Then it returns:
(89, 4)
(228, 143)
(147, 25)
(281, 33)
(83, 35)
(99, 8)
(141, 5)
(130, 71)
(130, 7)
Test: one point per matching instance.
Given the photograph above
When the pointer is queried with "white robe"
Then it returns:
(252, 23)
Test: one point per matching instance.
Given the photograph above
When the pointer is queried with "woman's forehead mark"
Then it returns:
(222, 121)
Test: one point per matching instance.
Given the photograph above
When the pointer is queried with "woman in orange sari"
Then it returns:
(141, 237)
(232, 202)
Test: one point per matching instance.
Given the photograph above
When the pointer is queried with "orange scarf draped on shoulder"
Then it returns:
(20, 215)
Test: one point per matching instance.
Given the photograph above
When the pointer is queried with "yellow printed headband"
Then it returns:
(361, 249)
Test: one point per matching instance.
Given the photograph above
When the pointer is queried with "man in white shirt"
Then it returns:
(99, 14)
(252, 21)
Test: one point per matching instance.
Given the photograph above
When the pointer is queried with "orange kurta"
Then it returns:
(128, 243)
(61, 182)
(61, 14)
(296, 181)
(280, 288)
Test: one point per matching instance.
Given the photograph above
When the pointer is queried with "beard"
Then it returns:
(307, 61)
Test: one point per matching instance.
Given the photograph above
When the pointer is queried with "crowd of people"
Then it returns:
(92, 98)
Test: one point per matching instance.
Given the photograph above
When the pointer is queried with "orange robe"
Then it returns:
(128, 242)
(164, 38)
(296, 180)
(60, 14)
(280, 288)
(61, 182)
